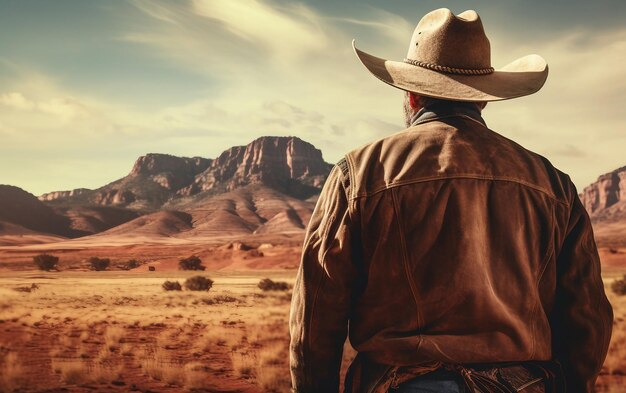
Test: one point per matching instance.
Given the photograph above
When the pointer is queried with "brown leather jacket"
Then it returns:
(447, 242)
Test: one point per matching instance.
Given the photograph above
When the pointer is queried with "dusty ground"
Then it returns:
(82, 331)
(113, 331)
(235, 252)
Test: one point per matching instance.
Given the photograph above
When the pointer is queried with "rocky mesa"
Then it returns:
(268, 186)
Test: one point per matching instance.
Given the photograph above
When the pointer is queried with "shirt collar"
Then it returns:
(446, 109)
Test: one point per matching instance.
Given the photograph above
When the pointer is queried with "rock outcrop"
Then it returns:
(152, 181)
(605, 201)
(608, 190)
(287, 164)
(51, 196)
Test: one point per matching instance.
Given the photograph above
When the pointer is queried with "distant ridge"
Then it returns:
(267, 186)
(287, 164)
(605, 201)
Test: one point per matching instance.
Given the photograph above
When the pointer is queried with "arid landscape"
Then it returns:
(243, 215)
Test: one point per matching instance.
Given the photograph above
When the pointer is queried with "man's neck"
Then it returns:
(447, 108)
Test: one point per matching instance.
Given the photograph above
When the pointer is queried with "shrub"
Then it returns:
(99, 264)
(198, 283)
(619, 286)
(268, 285)
(46, 262)
(131, 264)
(172, 286)
(191, 263)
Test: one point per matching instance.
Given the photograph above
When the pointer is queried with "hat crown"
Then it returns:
(444, 39)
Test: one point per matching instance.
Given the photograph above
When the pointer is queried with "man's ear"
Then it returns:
(414, 101)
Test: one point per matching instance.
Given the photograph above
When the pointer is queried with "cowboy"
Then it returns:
(457, 260)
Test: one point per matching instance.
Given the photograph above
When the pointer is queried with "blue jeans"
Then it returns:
(439, 381)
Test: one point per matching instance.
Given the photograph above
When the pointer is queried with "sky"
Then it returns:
(88, 86)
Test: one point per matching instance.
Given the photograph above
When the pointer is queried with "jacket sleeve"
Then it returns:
(582, 315)
(322, 292)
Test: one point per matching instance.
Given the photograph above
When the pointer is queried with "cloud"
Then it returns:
(575, 120)
(17, 101)
(288, 69)
(286, 32)
(64, 109)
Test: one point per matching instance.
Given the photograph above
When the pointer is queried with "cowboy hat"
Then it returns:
(449, 57)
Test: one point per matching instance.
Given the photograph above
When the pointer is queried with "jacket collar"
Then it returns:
(447, 109)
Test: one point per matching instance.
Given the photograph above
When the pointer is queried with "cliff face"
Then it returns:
(287, 164)
(153, 180)
(51, 196)
(608, 190)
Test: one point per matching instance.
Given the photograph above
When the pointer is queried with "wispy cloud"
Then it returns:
(287, 68)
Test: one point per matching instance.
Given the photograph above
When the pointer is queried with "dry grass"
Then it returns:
(616, 359)
(72, 372)
(271, 375)
(88, 330)
(158, 365)
(113, 336)
(243, 364)
(12, 373)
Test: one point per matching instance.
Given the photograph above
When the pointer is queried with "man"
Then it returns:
(460, 260)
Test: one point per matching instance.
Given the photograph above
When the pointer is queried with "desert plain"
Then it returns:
(76, 330)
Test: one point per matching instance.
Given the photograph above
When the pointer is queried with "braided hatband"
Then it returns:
(450, 70)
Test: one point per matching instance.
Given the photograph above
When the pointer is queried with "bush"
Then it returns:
(46, 262)
(172, 286)
(99, 264)
(191, 263)
(131, 264)
(619, 286)
(268, 285)
(198, 283)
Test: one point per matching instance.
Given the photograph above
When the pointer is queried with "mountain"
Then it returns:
(153, 180)
(286, 164)
(268, 186)
(605, 201)
(22, 213)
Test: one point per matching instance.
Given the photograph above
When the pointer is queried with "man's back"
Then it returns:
(458, 225)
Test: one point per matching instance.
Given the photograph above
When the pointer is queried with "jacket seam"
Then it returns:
(459, 176)
(320, 280)
(351, 172)
(544, 265)
(351, 200)
(405, 260)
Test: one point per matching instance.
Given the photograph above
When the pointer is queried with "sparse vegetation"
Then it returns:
(123, 332)
(191, 263)
(198, 283)
(31, 288)
(172, 286)
(219, 299)
(619, 286)
(267, 284)
(99, 264)
(46, 262)
(131, 264)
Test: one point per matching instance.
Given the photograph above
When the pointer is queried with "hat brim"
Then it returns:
(521, 77)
